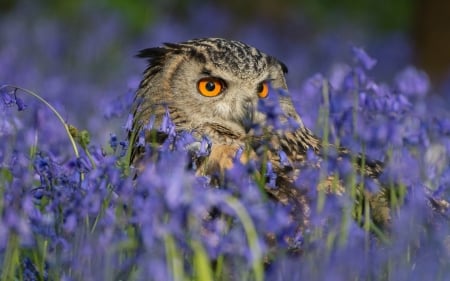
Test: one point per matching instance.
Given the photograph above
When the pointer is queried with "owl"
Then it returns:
(211, 88)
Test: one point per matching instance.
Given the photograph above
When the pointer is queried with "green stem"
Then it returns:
(173, 258)
(66, 126)
(202, 263)
(11, 259)
(252, 237)
(325, 115)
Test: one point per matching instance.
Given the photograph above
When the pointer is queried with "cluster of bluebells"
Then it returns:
(83, 218)
(64, 218)
(386, 122)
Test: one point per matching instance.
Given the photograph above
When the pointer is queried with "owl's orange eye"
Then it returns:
(263, 89)
(210, 86)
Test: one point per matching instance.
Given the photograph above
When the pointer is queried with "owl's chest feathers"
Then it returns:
(221, 134)
(217, 133)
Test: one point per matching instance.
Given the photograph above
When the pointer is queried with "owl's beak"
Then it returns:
(247, 120)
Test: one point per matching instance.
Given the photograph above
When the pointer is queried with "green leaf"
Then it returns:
(6, 175)
(202, 264)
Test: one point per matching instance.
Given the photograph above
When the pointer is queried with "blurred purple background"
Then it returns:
(80, 54)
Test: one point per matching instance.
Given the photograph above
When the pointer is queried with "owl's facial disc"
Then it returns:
(235, 101)
(238, 100)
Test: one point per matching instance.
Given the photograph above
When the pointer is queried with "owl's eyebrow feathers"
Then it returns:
(206, 71)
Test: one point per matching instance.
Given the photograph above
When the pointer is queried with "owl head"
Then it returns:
(209, 86)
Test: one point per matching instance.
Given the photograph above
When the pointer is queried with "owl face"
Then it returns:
(210, 81)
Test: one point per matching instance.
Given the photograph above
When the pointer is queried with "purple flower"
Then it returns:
(271, 175)
(284, 160)
(30, 272)
(270, 107)
(200, 148)
(8, 97)
(120, 106)
(403, 167)
(151, 123)
(113, 141)
(362, 57)
(9, 124)
(129, 124)
(167, 126)
(413, 82)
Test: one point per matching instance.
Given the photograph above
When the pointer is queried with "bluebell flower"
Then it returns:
(83, 165)
(30, 271)
(124, 145)
(151, 122)
(442, 125)
(338, 73)
(44, 167)
(20, 104)
(270, 175)
(403, 167)
(362, 57)
(113, 141)
(271, 108)
(120, 106)
(9, 124)
(9, 97)
(129, 124)
(167, 126)
(141, 139)
(205, 146)
(412, 82)
(283, 158)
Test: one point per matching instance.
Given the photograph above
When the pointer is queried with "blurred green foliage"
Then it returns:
(138, 14)
(383, 15)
